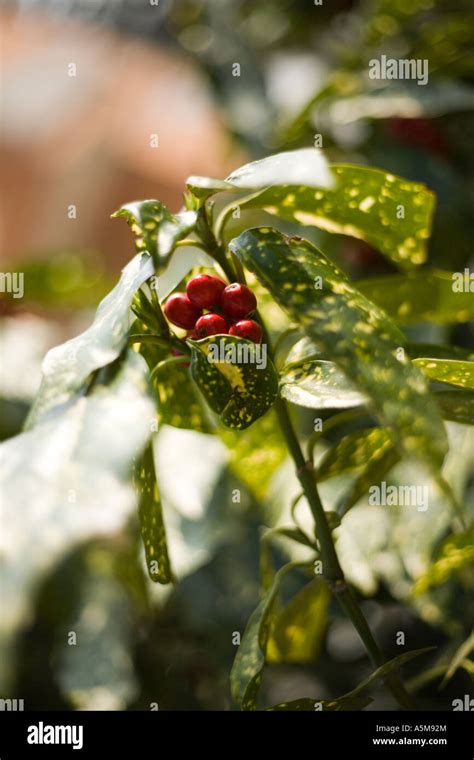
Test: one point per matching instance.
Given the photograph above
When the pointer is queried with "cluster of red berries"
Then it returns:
(228, 308)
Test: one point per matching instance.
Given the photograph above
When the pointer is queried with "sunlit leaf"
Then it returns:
(357, 334)
(256, 453)
(455, 553)
(390, 213)
(450, 371)
(66, 368)
(235, 377)
(157, 230)
(150, 514)
(424, 296)
(306, 166)
(77, 486)
(374, 471)
(319, 385)
(298, 629)
(99, 673)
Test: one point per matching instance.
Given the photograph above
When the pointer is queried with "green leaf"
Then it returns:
(319, 385)
(353, 452)
(235, 377)
(439, 351)
(151, 519)
(256, 453)
(388, 212)
(306, 166)
(385, 670)
(178, 401)
(457, 406)
(424, 296)
(298, 629)
(315, 705)
(76, 486)
(246, 673)
(66, 368)
(349, 700)
(460, 656)
(454, 554)
(157, 230)
(374, 471)
(450, 371)
(348, 327)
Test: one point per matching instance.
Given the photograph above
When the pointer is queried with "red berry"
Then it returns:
(181, 312)
(238, 301)
(247, 328)
(205, 291)
(211, 324)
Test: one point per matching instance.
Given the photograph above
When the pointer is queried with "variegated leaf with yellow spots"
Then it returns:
(450, 371)
(151, 519)
(178, 403)
(319, 385)
(388, 212)
(354, 451)
(157, 230)
(356, 333)
(427, 295)
(235, 376)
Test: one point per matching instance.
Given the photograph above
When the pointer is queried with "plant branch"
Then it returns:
(332, 569)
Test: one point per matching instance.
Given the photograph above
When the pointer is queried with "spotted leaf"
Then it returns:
(319, 385)
(424, 296)
(177, 400)
(353, 452)
(246, 673)
(235, 377)
(151, 519)
(388, 212)
(306, 166)
(354, 332)
(457, 406)
(157, 230)
(450, 371)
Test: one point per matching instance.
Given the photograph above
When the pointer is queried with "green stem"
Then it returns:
(332, 569)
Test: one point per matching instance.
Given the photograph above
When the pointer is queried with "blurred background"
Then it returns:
(86, 86)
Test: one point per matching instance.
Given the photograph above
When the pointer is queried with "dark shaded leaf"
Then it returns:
(354, 452)
(457, 406)
(246, 674)
(236, 378)
(307, 704)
